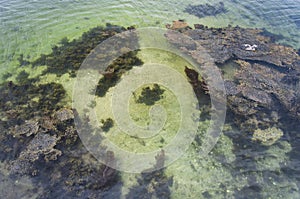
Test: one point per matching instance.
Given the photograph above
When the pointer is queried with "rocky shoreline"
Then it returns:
(264, 90)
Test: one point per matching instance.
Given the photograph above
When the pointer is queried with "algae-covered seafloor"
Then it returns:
(257, 154)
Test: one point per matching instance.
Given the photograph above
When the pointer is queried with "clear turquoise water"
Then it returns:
(31, 27)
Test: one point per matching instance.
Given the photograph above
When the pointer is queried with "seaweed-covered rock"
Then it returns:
(92, 174)
(30, 127)
(227, 43)
(262, 96)
(264, 89)
(204, 10)
(198, 85)
(76, 172)
(38, 135)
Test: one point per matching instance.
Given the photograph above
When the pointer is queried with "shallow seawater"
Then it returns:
(236, 167)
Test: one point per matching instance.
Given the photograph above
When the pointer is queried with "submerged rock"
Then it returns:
(41, 145)
(56, 148)
(39, 137)
(204, 10)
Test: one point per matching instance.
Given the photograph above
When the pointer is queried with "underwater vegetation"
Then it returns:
(204, 10)
(67, 56)
(115, 71)
(47, 142)
(201, 90)
(38, 135)
(39, 139)
(43, 99)
(150, 95)
(107, 124)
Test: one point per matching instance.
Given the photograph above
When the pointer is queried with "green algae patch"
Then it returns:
(139, 113)
(141, 102)
(267, 136)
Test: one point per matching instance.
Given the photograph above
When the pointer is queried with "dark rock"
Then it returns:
(198, 83)
(41, 145)
(264, 89)
(231, 88)
(229, 43)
